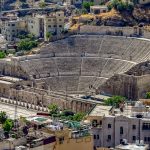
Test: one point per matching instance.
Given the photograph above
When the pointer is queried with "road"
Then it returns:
(10, 110)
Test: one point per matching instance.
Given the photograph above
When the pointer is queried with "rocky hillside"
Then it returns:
(117, 18)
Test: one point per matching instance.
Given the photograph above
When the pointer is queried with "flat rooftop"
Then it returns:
(11, 79)
(132, 147)
(5, 82)
(99, 7)
(100, 110)
(20, 111)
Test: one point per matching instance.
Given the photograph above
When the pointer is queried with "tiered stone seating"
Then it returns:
(82, 60)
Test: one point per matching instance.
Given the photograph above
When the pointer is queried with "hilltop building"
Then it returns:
(10, 28)
(39, 25)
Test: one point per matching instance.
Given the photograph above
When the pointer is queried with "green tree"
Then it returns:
(2, 54)
(26, 44)
(53, 109)
(120, 5)
(147, 95)
(7, 126)
(78, 116)
(48, 36)
(115, 101)
(42, 4)
(3, 117)
(87, 5)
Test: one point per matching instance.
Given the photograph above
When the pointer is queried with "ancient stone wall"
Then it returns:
(132, 87)
(121, 84)
(11, 68)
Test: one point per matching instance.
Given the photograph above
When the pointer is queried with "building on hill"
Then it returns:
(11, 28)
(97, 9)
(39, 25)
(111, 126)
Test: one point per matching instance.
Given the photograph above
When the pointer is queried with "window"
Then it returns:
(54, 25)
(109, 125)
(13, 25)
(61, 140)
(49, 26)
(100, 122)
(94, 123)
(59, 19)
(133, 138)
(109, 137)
(94, 136)
(146, 126)
(121, 130)
(133, 126)
(49, 19)
(145, 139)
(98, 137)
(60, 26)
(121, 141)
(148, 139)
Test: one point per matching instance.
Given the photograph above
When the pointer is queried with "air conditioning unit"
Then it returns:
(124, 142)
(141, 142)
(21, 148)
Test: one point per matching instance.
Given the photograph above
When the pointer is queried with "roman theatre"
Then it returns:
(77, 65)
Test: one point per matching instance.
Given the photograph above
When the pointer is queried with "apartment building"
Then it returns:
(10, 28)
(111, 126)
(39, 25)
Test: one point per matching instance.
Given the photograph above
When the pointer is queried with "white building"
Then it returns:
(11, 28)
(39, 25)
(110, 126)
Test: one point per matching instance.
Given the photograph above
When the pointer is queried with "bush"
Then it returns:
(53, 109)
(2, 54)
(114, 101)
(87, 5)
(26, 44)
(3, 117)
(120, 5)
(7, 126)
(147, 95)
(78, 116)
(42, 4)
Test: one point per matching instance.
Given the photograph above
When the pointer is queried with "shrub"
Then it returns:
(87, 5)
(26, 44)
(115, 101)
(7, 126)
(147, 95)
(2, 54)
(120, 5)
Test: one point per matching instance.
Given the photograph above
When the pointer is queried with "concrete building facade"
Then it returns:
(39, 25)
(111, 127)
(11, 28)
